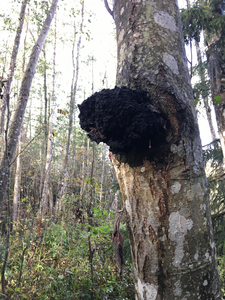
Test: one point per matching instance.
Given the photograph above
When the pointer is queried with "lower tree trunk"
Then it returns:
(170, 231)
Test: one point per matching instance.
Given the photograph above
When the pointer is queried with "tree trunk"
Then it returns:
(216, 68)
(16, 124)
(82, 168)
(45, 191)
(12, 63)
(205, 99)
(103, 172)
(71, 117)
(165, 191)
(16, 195)
(217, 79)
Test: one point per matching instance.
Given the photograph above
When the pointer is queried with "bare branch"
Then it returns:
(217, 177)
(26, 146)
(108, 8)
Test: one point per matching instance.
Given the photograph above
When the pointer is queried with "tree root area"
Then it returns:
(124, 119)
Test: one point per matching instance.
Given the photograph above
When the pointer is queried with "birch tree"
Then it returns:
(150, 124)
(17, 120)
(12, 64)
(50, 137)
(72, 112)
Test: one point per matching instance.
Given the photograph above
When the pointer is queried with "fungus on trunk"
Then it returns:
(124, 119)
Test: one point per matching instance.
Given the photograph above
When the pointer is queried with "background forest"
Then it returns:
(62, 198)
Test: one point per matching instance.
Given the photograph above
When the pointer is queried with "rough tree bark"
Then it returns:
(151, 128)
(16, 124)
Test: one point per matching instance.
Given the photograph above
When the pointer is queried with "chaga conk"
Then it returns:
(122, 118)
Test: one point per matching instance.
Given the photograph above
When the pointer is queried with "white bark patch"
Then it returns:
(121, 36)
(175, 188)
(196, 189)
(205, 282)
(178, 227)
(165, 20)
(122, 10)
(196, 256)
(178, 290)
(147, 291)
(128, 186)
(207, 255)
(171, 62)
(178, 149)
(203, 206)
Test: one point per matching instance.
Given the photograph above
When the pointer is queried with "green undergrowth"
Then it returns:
(52, 261)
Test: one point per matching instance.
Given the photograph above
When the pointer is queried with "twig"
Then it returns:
(217, 177)
(26, 146)
(216, 140)
(108, 8)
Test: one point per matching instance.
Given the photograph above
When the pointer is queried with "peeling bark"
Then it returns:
(164, 188)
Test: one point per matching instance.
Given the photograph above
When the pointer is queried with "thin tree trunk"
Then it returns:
(17, 120)
(12, 63)
(164, 188)
(71, 119)
(216, 71)
(50, 196)
(82, 167)
(218, 89)
(46, 98)
(16, 195)
(7, 169)
(45, 191)
(103, 171)
(205, 99)
(88, 158)
(91, 200)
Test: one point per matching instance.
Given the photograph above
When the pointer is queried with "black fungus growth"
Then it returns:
(122, 118)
